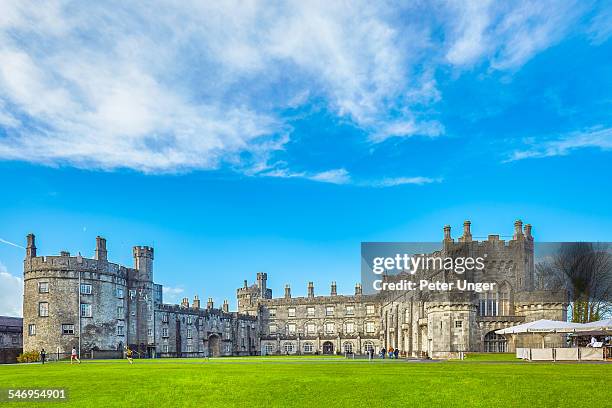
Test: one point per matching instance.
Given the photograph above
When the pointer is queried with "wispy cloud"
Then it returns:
(335, 176)
(398, 181)
(11, 293)
(172, 295)
(537, 148)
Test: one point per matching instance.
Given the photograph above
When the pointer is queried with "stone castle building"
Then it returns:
(94, 304)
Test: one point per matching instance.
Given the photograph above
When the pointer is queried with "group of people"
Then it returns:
(391, 352)
(74, 357)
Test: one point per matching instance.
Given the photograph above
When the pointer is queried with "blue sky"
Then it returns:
(239, 138)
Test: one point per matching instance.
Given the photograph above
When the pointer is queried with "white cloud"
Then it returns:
(335, 176)
(172, 295)
(591, 138)
(11, 293)
(397, 181)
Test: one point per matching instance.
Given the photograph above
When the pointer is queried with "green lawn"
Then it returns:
(313, 382)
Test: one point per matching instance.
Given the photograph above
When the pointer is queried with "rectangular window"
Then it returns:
(189, 334)
(14, 339)
(32, 330)
(132, 293)
(189, 348)
(458, 324)
(67, 328)
(43, 287)
(120, 314)
(272, 329)
(272, 312)
(369, 327)
(350, 310)
(119, 330)
(291, 328)
(86, 310)
(120, 293)
(165, 318)
(350, 327)
(329, 311)
(85, 289)
(150, 332)
(291, 312)
(43, 309)
(164, 332)
(311, 328)
(165, 348)
(310, 311)
(189, 320)
(329, 328)
(370, 309)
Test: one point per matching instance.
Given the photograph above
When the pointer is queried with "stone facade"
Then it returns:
(93, 304)
(11, 331)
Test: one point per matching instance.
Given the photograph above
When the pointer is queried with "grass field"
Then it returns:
(496, 381)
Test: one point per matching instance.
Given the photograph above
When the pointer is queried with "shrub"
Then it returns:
(28, 357)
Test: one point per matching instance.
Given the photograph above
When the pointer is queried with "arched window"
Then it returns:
(494, 343)
(367, 346)
(347, 347)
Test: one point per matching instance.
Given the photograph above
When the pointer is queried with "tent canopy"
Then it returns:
(556, 326)
(541, 326)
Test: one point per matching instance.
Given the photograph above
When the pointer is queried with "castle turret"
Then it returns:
(334, 291)
(262, 279)
(528, 232)
(310, 289)
(358, 290)
(143, 262)
(101, 254)
(31, 246)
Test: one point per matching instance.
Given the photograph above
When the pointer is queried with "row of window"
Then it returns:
(329, 311)
(311, 328)
(86, 289)
(308, 347)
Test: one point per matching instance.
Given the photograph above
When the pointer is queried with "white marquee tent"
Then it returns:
(542, 326)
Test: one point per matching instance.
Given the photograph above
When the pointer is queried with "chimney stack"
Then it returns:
(358, 290)
(467, 233)
(185, 303)
(528, 231)
(447, 233)
(518, 229)
(310, 289)
(31, 246)
(210, 304)
(333, 289)
(225, 306)
(287, 292)
(196, 302)
(65, 253)
(245, 284)
(101, 254)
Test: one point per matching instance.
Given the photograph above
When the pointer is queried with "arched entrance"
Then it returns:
(214, 346)
(328, 347)
(495, 343)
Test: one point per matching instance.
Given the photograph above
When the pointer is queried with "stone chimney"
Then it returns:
(31, 246)
(101, 254)
(225, 306)
(334, 292)
(287, 292)
(245, 284)
(447, 233)
(518, 229)
(528, 231)
(358, 290)
(210, 304)
(65, 253)
(310, 289)
(196, 302)
(185, 303)
(467, 234)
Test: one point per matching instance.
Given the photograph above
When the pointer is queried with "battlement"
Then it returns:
(65, 262)
(142, 251)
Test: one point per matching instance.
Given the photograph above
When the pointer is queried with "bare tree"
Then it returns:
(584, 270)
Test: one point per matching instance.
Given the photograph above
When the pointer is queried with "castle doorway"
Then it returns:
(214, 346)
(495, 343)
(328, 347)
